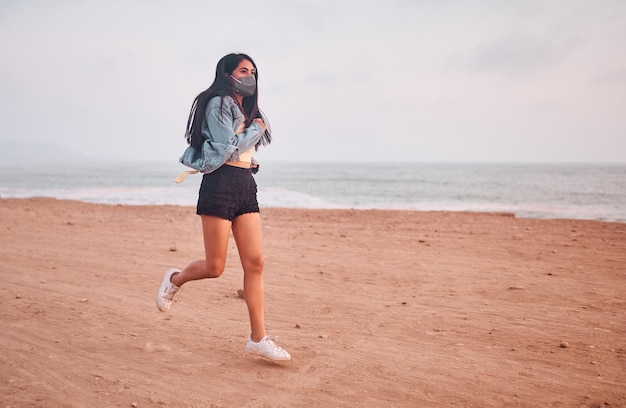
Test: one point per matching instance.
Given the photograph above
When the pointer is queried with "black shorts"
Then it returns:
(227, 193)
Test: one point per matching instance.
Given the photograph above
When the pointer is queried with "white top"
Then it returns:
(247, 155)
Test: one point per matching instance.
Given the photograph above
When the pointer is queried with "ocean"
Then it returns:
(575, 191)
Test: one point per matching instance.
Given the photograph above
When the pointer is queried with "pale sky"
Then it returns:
(407, 80)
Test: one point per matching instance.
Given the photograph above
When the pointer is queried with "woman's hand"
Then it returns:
(260, 122)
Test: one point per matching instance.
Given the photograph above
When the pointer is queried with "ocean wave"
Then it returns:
(541, 191)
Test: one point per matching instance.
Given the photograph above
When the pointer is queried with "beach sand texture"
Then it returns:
(378, 308)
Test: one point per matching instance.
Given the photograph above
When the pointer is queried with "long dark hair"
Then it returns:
(223, 87)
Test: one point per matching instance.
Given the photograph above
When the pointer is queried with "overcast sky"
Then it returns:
(408, 80)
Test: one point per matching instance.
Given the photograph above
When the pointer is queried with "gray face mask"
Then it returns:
(245, 85)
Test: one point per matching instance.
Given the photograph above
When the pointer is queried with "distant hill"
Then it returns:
(12, 152)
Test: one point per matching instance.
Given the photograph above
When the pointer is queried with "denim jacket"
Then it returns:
(221, 143)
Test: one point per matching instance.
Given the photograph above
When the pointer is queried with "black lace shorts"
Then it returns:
(227, 193)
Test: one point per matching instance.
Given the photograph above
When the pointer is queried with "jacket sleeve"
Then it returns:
(221, 126)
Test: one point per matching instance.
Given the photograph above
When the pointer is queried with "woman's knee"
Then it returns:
(254, 264)
(214, 269)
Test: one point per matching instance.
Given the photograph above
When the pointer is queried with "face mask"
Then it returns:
(245, 85)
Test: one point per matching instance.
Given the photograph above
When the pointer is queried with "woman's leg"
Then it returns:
(216, 232)
(248, 236)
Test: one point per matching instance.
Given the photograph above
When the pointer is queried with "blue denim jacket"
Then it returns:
(222, 144)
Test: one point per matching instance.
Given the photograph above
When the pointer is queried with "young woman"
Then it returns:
(224, 128)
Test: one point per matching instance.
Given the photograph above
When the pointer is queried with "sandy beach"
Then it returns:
(377, 308)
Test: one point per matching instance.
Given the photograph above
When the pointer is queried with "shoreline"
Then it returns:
(410, 210)
(538, 191)
(393, 307)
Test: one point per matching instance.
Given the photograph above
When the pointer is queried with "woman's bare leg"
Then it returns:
(216, 232)
(248, 236)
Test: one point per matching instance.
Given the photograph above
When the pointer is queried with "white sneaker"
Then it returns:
(267, 348)
(167, 291)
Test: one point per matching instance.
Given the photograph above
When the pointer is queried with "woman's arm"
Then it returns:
(221, 125)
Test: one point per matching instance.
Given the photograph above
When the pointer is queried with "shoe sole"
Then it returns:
(256, 353)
